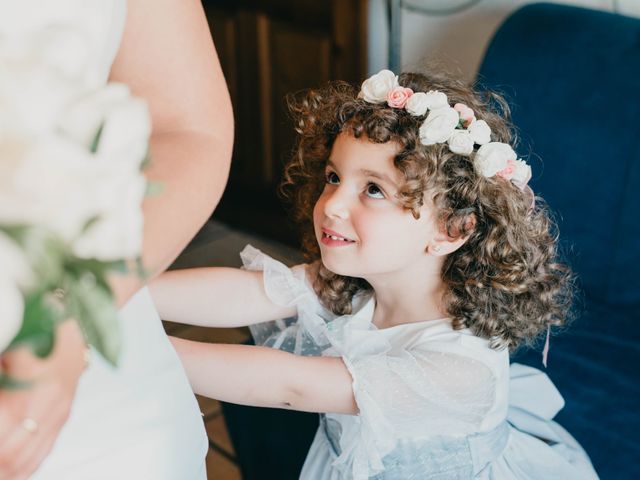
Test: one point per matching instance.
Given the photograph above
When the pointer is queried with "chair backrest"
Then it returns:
(572, 77)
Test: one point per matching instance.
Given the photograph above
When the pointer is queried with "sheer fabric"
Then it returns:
(433, 402)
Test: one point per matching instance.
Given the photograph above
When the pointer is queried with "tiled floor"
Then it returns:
(218, 245)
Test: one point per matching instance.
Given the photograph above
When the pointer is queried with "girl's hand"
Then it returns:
(31, 418)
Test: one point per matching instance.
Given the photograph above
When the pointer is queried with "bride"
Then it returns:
(140, 421)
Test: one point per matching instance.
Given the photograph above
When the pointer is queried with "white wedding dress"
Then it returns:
(140, 421)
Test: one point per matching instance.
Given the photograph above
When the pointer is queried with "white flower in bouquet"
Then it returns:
(124, 128)
(117, 233)
(15, 265)
(40, 71)
(15, 272)
(32, 98)
(56, 184)
(71, 185)
(48, 181)
(123, 123)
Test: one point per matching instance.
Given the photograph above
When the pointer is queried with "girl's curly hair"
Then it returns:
(505, 283)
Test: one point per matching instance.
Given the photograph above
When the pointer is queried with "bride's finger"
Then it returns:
(12, 448)
(7, 425)
(32, 419)
(33, 453)
(12, 431)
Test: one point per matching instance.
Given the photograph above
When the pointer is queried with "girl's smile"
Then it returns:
(334, 239)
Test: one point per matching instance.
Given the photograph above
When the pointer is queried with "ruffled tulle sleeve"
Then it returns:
(409, 392)
(304, 334)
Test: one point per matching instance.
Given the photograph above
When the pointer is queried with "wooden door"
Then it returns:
(268, 49)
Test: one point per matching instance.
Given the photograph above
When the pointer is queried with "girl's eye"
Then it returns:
(332, 178)
(374, 191)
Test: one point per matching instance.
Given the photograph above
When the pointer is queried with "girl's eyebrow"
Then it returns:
(369, 173)
(381, 176)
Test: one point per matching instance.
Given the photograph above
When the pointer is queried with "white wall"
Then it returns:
(457, 40)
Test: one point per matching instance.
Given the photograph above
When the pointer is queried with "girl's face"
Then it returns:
(362, 229)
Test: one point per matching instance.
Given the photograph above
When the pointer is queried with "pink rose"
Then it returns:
(517, 171)
(507, 172)
(466, 114)
(492, 157)
(398, 96)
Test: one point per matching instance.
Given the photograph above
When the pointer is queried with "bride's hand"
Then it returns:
(31, 417)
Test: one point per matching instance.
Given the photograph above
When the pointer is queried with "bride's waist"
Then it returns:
(148, 368)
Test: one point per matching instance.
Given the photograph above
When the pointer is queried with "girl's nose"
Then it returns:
(336, 203)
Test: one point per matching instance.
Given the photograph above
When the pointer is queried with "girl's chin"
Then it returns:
(338, 268)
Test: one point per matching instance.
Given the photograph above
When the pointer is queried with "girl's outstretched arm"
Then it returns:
(215, 297)
(265, 377)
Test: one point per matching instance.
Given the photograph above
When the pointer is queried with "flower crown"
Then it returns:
(457, 126)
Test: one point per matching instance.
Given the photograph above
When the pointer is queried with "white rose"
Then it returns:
(32, 98)
(15, 266)
(461, 142)
(417, 104)
(11, 311)
(125, 137)
(50, 183)
(438, 126)
(125, 123)
(492, 157)
(480, 132)
(58, 186)
(64, 48)
(375, 88)
(521, 173)
(436, 99)
(118, 231)
(57, 34)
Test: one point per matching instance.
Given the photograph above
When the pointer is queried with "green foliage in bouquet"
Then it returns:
(71, 190)
(67, 287)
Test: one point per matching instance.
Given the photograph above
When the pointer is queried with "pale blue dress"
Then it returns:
(140, 421)
(434, 403)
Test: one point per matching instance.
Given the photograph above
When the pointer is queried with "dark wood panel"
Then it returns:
(301, 12)
(269, 48)
(311, 51)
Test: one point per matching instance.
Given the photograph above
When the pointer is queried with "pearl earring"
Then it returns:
(436, 248)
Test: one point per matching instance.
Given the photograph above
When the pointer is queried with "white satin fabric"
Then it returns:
(140, 421)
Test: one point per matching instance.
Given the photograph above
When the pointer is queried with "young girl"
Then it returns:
(429, 261)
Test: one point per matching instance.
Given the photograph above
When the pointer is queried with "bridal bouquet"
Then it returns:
(71, 189)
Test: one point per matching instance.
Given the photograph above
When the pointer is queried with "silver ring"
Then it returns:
(30, 425)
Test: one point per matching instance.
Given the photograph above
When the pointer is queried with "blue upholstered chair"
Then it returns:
(572, 77)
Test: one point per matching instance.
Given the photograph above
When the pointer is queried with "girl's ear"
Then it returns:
(445, 243)
(442, 245)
